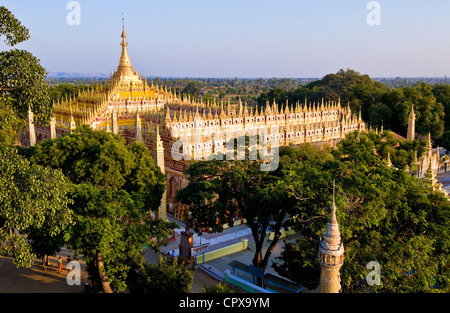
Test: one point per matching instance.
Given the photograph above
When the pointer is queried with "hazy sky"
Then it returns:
(241, 38)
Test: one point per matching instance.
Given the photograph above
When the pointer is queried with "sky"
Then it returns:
(240, 38)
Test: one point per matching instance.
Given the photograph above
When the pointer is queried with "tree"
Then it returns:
(191, 89)
(219, 288)
(429, 113)
(360, 91)
(442, 94)
(111, 228)
(384, 215)
(22, 84)
(380, 115)
(33, 200)
(11, 28)
(167, 276)
(114, 187)
(221, 191)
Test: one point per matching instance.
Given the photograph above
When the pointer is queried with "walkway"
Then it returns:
(228, 237)
(36, 280)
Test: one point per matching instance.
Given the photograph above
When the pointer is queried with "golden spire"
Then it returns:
(197, 115)
(125, 68)
(175, 118)
(222, 113)
(210, 117)
(245, 110)
(168, 116)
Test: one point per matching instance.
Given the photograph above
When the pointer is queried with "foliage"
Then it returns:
(442, 94)
(219, 288)
(114, 186)
(191, 89)
(429, 112)
(11, 28)
(167, 276)
(62, 91)
(221, 191)
(33, 199)
(9, 124)
(114, 225)
(104, 160)
(384, 216)
(22, 84)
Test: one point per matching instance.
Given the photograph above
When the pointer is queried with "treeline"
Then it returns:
(379, 104)
(383, 103)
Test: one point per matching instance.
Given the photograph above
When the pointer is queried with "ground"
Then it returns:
(36, 280)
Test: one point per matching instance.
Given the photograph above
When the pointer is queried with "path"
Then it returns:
(36, 280)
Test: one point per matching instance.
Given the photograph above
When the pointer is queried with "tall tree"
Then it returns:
(442, 94)
(221, 191)
(167, 276)
(11, 28)
(33, 199)
(114, 188)
(22, 84)
(429, 113)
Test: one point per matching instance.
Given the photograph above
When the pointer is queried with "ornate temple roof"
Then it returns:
(125, 71)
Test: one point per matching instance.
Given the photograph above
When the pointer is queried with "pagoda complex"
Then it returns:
(130, 107)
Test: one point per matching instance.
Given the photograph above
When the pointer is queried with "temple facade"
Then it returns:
(179, 130)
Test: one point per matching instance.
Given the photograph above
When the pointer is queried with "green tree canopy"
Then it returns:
(383, 214)
(11, 28)
(33, 199)
(22, 84)
(191, 89)
(115, 186)
(221, 191)
(104, 160)
(167, 276)
(111, 230)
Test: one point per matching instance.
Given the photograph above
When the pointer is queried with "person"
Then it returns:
(60, 265)
(68, 260)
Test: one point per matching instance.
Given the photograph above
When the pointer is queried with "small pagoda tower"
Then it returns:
(159, 159)
(331, 255)
(411, 125)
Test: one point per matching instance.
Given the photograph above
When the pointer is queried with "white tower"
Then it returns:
(331, 255)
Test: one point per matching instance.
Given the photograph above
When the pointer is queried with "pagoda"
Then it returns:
(179, 129)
